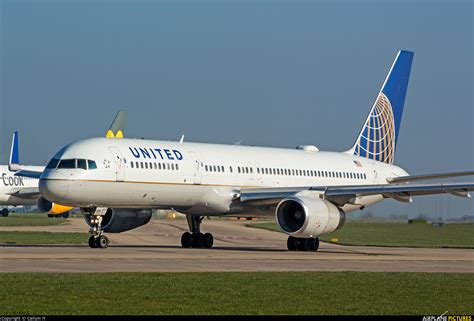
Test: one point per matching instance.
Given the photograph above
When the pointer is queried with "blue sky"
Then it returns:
(272, 73)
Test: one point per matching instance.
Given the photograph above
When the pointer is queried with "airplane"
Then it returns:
(18, 190)
(116, 183)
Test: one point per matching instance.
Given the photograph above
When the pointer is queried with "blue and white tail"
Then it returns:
(378, 137)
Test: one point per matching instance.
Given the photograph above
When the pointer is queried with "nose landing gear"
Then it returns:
(97, 238)
(196, 239)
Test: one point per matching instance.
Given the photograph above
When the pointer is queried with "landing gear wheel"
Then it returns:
(186, 240)
(93, 242)
(300, 244)
(102, 242)
(5, 212)
(291, 243)
(208, 240)
(66, 215)
(198, 240)
(313, 244)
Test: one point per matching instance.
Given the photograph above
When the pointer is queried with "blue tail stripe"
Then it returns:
(15, 158)
(396, 86)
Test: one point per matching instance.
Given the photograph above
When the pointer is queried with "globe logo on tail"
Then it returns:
(377, 139)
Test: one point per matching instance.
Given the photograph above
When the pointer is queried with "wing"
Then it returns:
(28, 173)
(425, 177)
(26, 192)
(342, 195)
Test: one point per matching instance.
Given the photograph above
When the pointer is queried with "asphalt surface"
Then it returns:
(156, 247)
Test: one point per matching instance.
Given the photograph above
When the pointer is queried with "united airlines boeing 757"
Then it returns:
(118, 182)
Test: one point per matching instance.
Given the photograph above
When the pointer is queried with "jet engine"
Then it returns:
(308, 217)
(117, 220)
(52, 208)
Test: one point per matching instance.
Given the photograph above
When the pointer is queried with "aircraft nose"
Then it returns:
(53, 190)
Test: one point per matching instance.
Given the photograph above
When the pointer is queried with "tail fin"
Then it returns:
(14, 162)
(116, 128)
(378, 137)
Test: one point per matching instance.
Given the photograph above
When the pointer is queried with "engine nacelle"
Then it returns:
(302, 216)
(52, 208)
(117, 220)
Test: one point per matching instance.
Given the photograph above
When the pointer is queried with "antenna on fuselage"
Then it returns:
(181, 140)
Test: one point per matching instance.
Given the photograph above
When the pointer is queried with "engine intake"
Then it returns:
(117, 220)
(308, 216)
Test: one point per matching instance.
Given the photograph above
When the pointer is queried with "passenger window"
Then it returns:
(168, 166)
(53, 163)
(177, 168)
(222, 169)
(81, 163)
(172, 166)
(91, 164)
(131, 164)
(67, 163)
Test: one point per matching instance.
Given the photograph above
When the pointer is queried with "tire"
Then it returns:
(66, 215)
(102, 242)
(291, 243)
(301, 244)
(198, 240)
(5, 212)
(312, 244)
(186, 240)
(208, 240)
(50, 215)
(316, 242)
(92, 242)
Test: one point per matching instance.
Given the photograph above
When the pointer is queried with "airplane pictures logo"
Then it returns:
(377, 140)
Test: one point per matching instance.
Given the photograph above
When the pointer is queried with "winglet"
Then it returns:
(14, 162)
(116, 128)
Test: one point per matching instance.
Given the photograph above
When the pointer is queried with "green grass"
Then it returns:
(251, 293)
(17, 237)
(396, 234)
(40, 219)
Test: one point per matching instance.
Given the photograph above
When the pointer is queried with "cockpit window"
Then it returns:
(81, 163)
(53, 163)
(67, 163)
(92, 164)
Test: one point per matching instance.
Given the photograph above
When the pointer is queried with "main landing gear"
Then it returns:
(97, 238)
(196, 239)
(302, 244)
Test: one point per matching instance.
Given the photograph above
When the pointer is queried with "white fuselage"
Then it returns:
(195, 178)
(11, 185)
